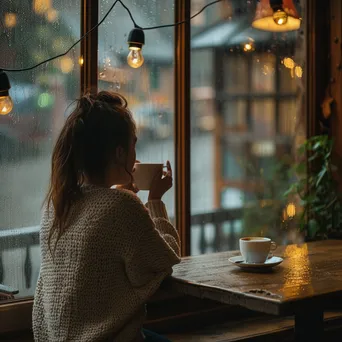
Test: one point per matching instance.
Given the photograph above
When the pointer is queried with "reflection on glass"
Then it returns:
(40, 98)
(254, 96)
(263, 73)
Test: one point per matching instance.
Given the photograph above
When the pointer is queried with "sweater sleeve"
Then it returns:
(156, 250)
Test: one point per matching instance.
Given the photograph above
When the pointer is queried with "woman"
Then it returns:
(103, 252)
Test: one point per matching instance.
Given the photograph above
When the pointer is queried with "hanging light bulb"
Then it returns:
(6, 103)
(136, 40)
(276, 16)
(280, 17)
(135, 59)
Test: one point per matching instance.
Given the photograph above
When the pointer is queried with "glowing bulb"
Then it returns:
(81, 60)
(248, 47)
(135, 58)
(280, 17)
(289, 62)
(6, 105)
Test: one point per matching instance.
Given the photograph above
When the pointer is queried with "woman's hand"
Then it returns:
(160, 185)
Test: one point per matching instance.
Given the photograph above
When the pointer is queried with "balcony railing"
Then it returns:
(211, 232)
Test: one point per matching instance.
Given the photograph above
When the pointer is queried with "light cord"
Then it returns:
(99, 23)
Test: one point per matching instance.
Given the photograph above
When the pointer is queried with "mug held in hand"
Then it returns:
(144, 174)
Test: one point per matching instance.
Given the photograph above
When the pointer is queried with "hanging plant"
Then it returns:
(317, 189)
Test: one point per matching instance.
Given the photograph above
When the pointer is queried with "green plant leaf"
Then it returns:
(317, 145)
(321, 175)
(292, 189)
(313, 228)
(313, 157)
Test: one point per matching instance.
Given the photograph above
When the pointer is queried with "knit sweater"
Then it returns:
(110, 260)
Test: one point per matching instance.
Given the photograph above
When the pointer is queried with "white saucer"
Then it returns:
(269, 263)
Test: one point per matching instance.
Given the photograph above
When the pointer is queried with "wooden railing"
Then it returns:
(216, 222)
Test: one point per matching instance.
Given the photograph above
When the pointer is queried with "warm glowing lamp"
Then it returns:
(6, 104)
(276, 16)
(136, 40)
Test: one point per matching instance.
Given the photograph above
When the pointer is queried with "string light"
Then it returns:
(134, 59)
(136, 40)
(99, 23)
(6, 103)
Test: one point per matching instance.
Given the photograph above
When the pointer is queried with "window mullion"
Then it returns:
(182, 123)
(89, 45)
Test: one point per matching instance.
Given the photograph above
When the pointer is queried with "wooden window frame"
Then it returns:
(317, 48)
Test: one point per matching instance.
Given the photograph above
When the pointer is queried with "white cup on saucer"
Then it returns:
(255, 250)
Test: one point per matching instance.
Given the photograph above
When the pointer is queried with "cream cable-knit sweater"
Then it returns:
(111, 259)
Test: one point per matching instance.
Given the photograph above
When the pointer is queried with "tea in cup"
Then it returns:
(255, 250)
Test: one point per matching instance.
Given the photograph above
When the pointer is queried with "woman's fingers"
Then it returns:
(169, 168)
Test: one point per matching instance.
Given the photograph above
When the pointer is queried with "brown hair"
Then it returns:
(86, 146)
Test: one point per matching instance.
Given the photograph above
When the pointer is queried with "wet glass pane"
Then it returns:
(32, 31)
(255, 93)
(148, 89)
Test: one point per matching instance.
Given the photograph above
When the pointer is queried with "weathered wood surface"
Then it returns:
(309, 277)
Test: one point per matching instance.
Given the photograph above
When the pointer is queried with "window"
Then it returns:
(33, 31)
(246, 113)
(149, 89)
(255, 94)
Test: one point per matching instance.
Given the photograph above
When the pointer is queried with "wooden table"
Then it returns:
(303, 285)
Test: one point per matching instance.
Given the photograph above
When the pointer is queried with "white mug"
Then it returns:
(144, 173)
(256, 249)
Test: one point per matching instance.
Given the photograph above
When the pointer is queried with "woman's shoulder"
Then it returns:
(113, 197)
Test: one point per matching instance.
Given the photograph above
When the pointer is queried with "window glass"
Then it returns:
(235, 71)
(32, 31)
(263, 72)
(239, 168)
(235, 114)
(148, 89)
